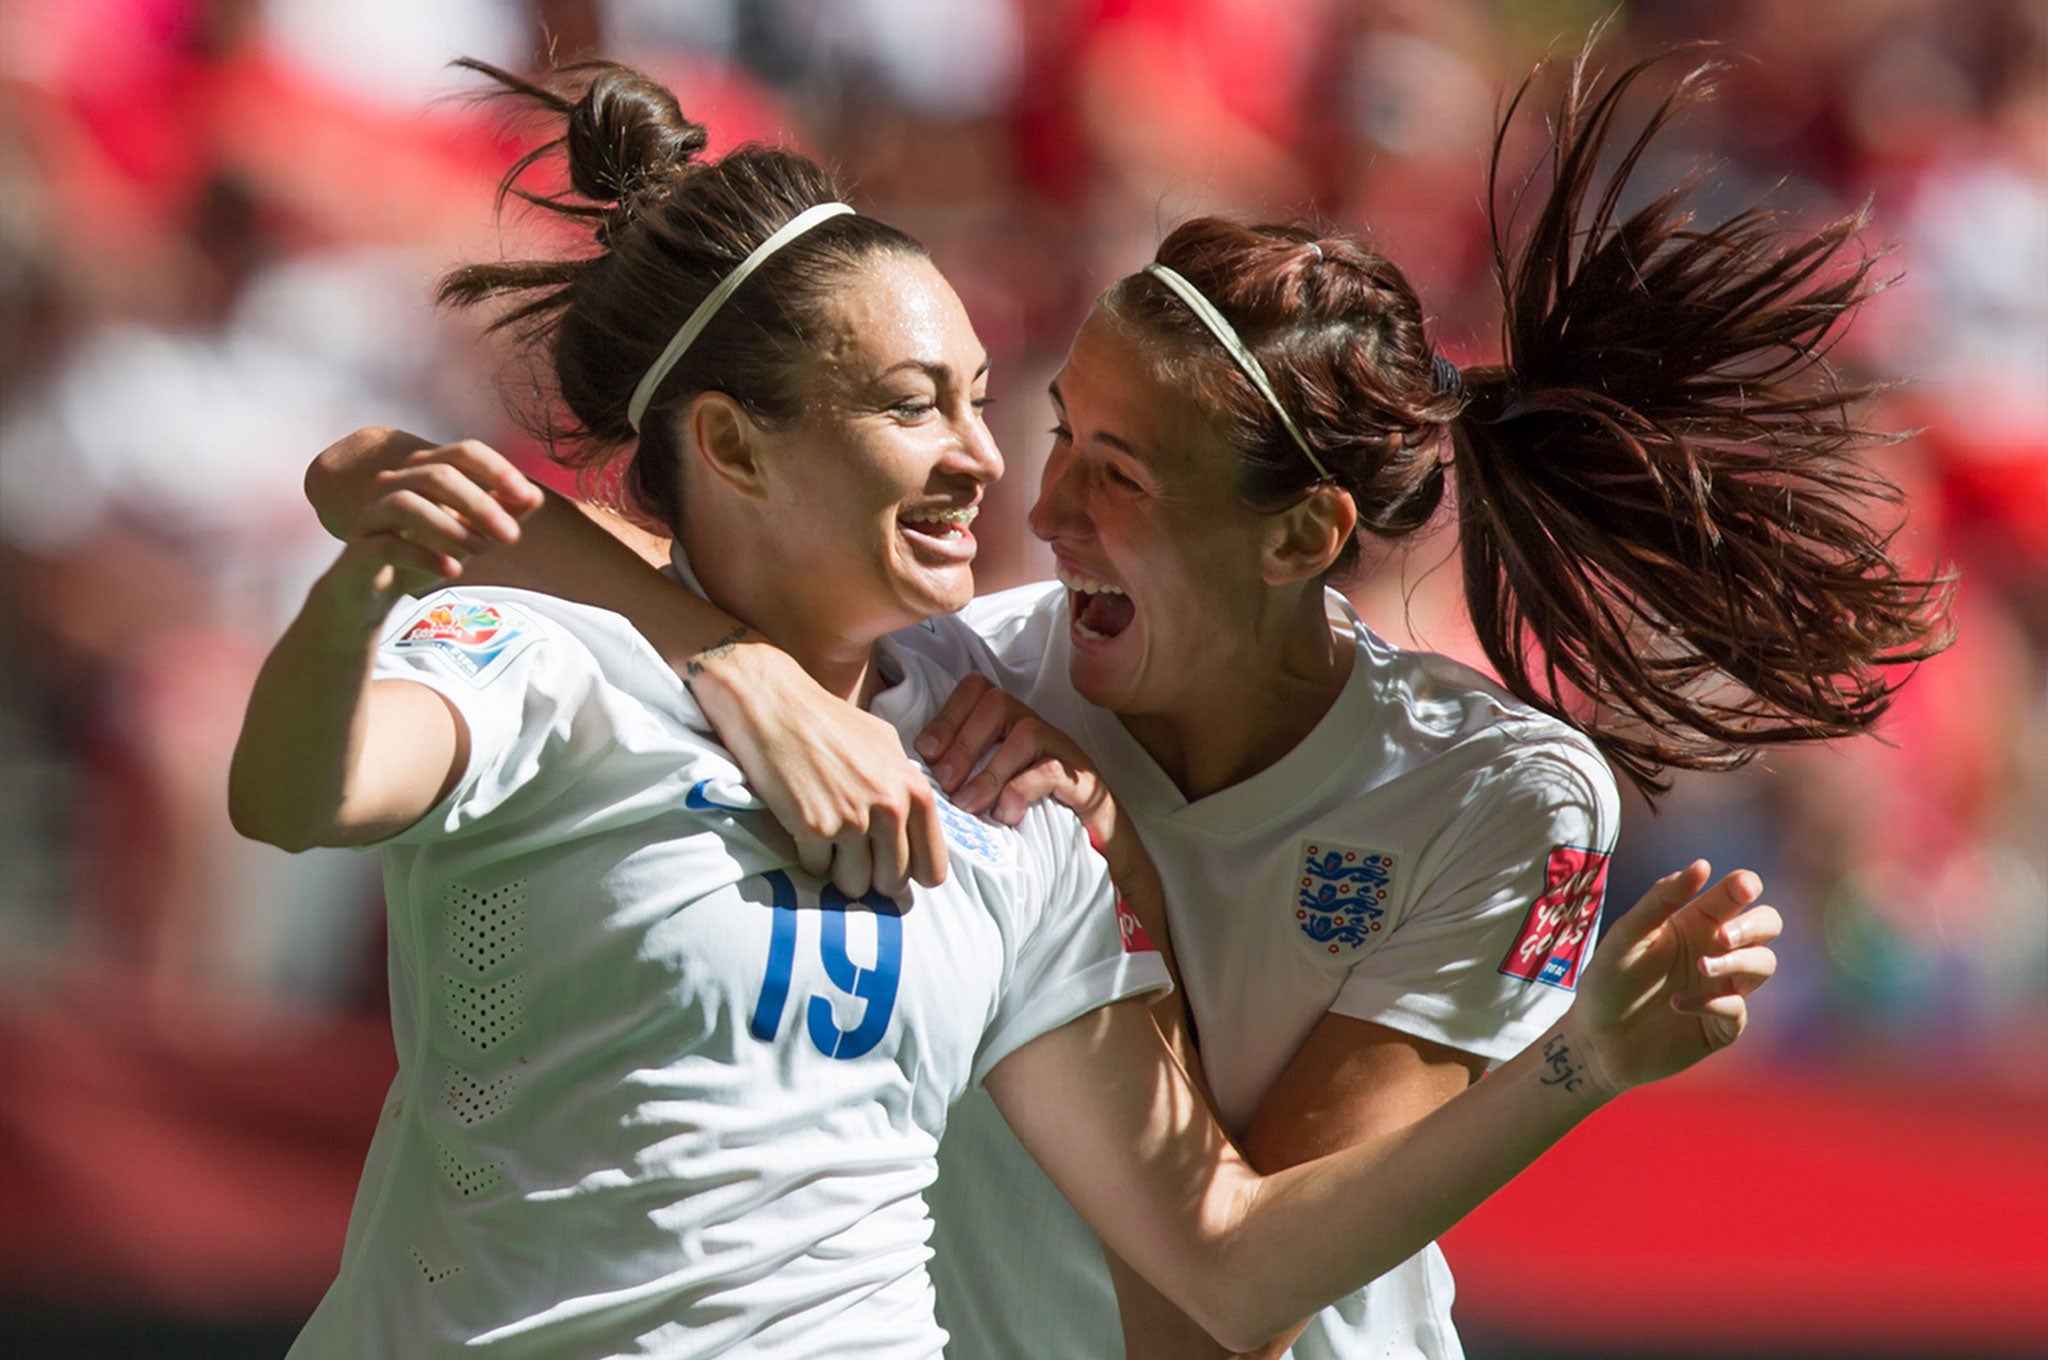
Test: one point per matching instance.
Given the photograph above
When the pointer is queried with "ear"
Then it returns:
(1305, 539)
(723, 441)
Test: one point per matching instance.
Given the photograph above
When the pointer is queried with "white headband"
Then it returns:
(1221, 328)
(716, 298)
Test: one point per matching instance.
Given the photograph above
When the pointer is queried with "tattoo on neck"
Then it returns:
(718, 650)
(1564, 1071)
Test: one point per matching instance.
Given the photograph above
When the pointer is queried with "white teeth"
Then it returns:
(958, 517)
(1073, 581)
(1085, 631)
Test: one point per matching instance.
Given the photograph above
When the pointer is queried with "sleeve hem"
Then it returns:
(1484, 1035)
(1117, 979)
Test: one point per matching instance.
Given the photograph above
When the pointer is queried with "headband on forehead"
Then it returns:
(716, 298)
(1206, 312)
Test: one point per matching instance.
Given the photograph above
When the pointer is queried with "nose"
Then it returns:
(1058, 511)
(975, 453)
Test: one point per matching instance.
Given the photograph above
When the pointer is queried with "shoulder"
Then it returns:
(482, 632)
(1457, 729)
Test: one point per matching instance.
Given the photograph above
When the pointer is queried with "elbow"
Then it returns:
(1239, 1325)
(1233, 1302)
(261, 818)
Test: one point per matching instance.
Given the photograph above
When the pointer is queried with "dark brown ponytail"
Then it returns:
(1662, 507)
(667, 228)
(1662, 503)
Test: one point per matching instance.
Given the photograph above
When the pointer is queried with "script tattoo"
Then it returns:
(694, 667)
(1563, 1071)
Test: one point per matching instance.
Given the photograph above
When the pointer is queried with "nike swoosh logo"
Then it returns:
(697, 802)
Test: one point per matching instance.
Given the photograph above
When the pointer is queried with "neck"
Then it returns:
(1253, 706)
(754, 590)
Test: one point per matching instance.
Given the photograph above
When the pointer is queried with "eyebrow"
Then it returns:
(1100, 436)
(936, 372)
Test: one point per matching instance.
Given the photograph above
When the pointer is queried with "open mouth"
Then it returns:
(940, 522)
(1099, 610)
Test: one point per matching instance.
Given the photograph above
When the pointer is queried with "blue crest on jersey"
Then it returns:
(1340, 896)
(969, 832)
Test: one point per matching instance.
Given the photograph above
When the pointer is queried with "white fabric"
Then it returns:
(588, 1150)
(1420, 760)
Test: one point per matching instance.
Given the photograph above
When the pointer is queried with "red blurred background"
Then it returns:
(219, 225)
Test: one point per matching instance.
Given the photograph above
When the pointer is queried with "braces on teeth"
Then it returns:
(961, 516)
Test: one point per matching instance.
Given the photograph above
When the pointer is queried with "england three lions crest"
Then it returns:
(1340, 898)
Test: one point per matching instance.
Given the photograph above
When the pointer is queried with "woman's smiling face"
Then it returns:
(875, 486)
(1139, 503)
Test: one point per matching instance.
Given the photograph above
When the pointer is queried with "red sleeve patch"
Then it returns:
(1563, 921)
(1136, 941)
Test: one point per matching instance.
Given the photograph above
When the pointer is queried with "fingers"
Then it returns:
(336, 477)
(1740, 971)
(1758, 925)
(487, 469)
(889, 851)
(813, 852)
(1728, 898)
(853, 864)
(983, 726)
(457, 493)
(1023, 748)
(938, 733)
(1722, 1017)
(1044, 779)
(1656, 906)
(408, 515)
(926, 836)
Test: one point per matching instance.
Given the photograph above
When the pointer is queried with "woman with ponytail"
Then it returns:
(665, 1089)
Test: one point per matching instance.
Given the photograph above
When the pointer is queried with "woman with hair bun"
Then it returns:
(667, 1090)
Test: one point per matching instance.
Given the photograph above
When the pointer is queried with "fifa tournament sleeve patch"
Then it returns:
(476, 641)
(1562, 921)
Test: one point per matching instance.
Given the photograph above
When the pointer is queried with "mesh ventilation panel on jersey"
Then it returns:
(432, 1274)
(483, 931)
(469, 1179)
(471, 1100)
(484, 1014)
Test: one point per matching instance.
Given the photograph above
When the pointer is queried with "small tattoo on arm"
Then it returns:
(718, 650)
(1563, 1071)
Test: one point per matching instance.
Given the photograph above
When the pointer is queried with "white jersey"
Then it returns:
(660, 1092)
(1430, 858)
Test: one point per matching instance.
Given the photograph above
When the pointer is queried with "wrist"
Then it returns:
(351, 600)
(1570, 1063)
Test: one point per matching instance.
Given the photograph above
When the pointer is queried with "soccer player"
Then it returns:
(824, 499)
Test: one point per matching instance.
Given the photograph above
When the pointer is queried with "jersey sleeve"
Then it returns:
(1489, 950)
(1079, 948)
(513, 677)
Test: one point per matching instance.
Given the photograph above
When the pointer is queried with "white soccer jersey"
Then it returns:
(1430, 858)
(661, 1093)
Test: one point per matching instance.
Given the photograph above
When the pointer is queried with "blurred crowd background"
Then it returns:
(220, 222)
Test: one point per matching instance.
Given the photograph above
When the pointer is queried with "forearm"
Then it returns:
(327, 756)
(1308, 1235)
(289, 780)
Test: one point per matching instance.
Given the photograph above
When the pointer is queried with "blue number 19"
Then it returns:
(875, 986)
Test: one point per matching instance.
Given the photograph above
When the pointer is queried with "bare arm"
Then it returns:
(835, 777)
(1122, 1131)
(326, 756)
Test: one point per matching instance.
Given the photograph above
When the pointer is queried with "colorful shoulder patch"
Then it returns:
(1562, 921)
(475, 640)
(1340, 898)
